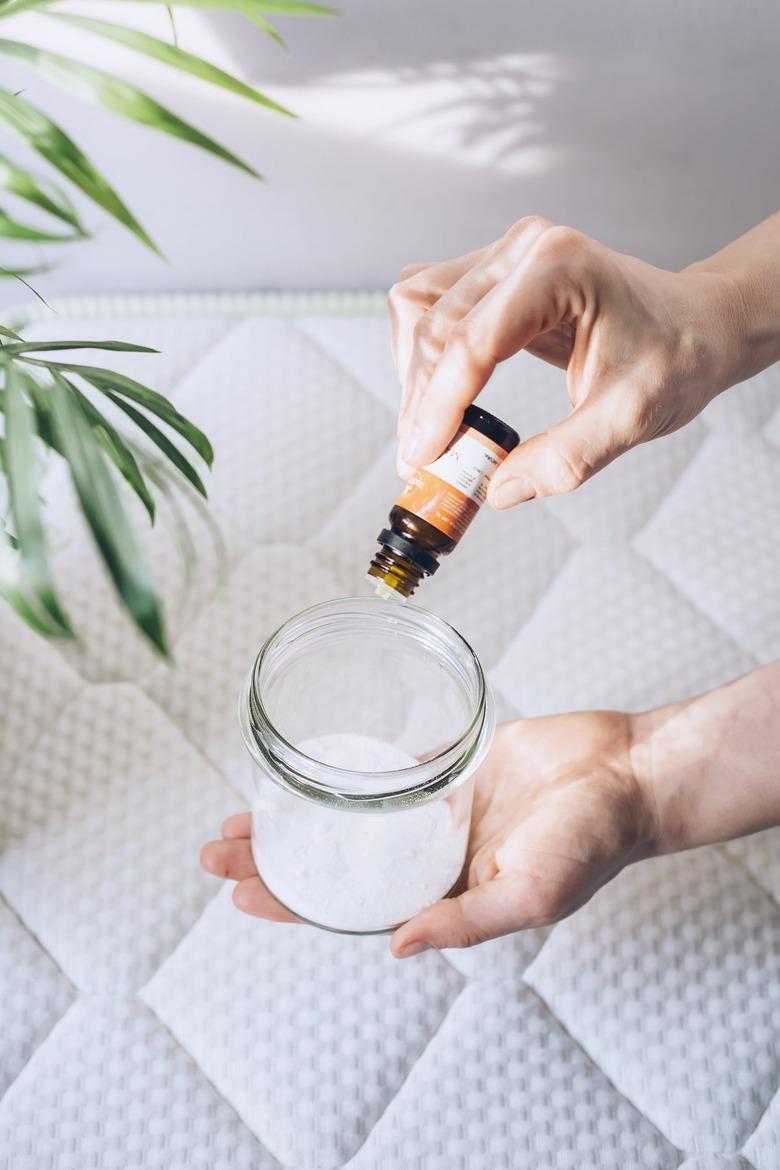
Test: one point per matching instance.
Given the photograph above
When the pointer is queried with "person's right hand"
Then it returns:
(558, 811)
(644, 349)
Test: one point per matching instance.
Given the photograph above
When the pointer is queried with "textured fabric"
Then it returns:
(145, 1023)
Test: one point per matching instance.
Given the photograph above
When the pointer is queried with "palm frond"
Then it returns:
(43, 404)
(53, 144)
(40, 192)
(12, 229)
(51, 404)
(21, 470)
(105, 513)
(172, 55)
(109, 381)
(103, 89)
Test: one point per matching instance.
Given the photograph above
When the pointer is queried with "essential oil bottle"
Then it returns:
(438, 504)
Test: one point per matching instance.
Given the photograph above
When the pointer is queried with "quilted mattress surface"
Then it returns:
(145, 1023)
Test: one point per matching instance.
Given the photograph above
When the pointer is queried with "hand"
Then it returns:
(644, 349)
(557, 813)
(232, 858)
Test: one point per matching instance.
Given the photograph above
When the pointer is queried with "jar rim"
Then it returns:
(319, 781)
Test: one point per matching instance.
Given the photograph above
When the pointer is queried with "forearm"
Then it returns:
(750, 267)
(709, 767)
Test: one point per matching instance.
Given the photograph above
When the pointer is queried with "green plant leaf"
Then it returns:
(10, 333)
(110, 381)
(291, 7)
(41, 346)
(53, 144)
(21, 468)
(41, 192)
(10, 539)
(172, 19)
(10, 590)
(20, 273)
(266, 27)
(105, 513)
(161, 441)
(252, 9)
(116, 95)
(171, 55)
(107, 435)
(14, 7)
(11, 229)
(47, 432)
(118, 452)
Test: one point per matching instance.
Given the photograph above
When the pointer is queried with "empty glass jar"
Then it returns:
(366, 721)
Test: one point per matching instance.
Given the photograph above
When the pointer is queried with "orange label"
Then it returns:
(441, 504)
(448, 493)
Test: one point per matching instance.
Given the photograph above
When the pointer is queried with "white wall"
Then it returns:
(427, 127)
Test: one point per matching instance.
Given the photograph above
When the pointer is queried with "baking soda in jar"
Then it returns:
(366, 722)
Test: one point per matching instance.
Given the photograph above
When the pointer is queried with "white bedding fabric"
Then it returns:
(146, 1023)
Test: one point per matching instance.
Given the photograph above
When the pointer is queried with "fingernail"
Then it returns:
(206, 860)
(405, 470)
(415, 948)
(413, 447)
(512, 491)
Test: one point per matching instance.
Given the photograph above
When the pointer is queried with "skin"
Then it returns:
(644, 349)
(563, 803)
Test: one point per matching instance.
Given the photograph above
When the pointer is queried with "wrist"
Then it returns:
(642, 761)
(716, 330)
(742, 302)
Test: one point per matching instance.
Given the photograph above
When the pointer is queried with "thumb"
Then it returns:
(564, 457)
(485, 911)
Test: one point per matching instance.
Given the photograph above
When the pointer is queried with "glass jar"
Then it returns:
(366, 721)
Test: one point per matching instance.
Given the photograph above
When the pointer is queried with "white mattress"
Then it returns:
(146, 1023)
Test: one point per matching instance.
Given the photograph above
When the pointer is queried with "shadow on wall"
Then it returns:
(427, 128)
(650, 126)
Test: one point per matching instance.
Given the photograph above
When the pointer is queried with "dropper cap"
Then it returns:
(399, 565)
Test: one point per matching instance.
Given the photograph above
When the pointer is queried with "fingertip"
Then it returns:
(419, 446)
(209, 856)
(404, 944)
(405, 470)
(253, 897)
(244, 896)
(509, 491)
(414, 948)
(237, 825)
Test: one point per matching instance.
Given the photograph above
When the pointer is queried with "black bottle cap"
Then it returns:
(481, 420)
(407, 549)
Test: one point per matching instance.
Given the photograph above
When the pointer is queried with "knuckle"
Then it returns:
(428, 329)
(465, 932)
(409, 290)
(396, 294)
(573, 467)
(527, 224)
(410, 270)
(563, 245)
(464, 336)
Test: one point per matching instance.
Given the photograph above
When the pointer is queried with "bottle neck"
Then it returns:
(393, 571)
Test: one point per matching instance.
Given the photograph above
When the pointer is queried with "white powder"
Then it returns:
(358, 871)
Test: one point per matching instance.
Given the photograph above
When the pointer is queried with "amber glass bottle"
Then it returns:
(438, 504)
